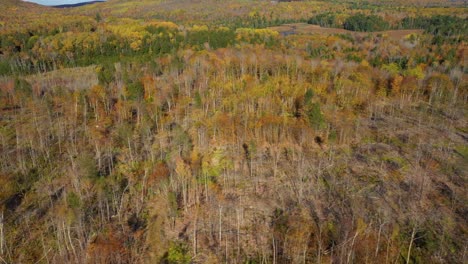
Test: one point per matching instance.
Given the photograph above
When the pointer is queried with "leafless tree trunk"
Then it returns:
(378, 240)
(2, 239)
(410, 245)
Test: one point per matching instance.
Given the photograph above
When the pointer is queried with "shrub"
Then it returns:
(178, 254)
(106, 73)
(316, 119)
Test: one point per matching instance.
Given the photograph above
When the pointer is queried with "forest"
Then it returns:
(238, 131)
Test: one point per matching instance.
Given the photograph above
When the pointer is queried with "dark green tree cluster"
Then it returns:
(444, 28)
(216, 38)
(324, 20)
(364, 23)
(34, 52)
(357, 22)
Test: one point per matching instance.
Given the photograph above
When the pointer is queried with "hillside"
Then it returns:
(233, 131)
(78, 4)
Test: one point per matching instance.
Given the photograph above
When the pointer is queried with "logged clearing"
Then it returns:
(77, 78)
(304, 28)
(194, 132)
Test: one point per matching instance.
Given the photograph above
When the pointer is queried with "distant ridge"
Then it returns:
(79, 4)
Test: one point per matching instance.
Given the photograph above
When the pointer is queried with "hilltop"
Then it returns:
(78, 4)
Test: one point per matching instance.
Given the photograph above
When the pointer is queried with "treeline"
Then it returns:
(101, 43)
(256, 20)
(443, 27)
(361, 22)
(358, 22)
(31, 52)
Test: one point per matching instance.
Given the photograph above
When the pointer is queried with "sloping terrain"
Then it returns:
(213, 131)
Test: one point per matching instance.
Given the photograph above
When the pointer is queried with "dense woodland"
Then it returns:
(185, 131)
